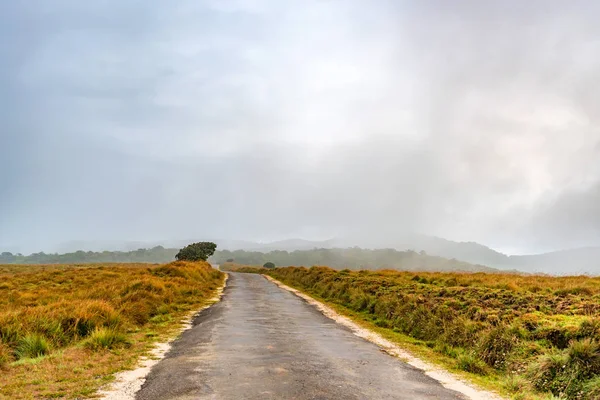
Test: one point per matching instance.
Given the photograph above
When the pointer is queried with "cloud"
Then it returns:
(265, 120)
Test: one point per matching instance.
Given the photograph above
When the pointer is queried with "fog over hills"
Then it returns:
(575, 261)
(572, 261)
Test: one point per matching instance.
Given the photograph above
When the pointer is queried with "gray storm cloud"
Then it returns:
(265, 120)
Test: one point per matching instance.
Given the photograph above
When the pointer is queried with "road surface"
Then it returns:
(263, 342)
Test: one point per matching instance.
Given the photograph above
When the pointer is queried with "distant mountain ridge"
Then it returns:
(580, 261)
(351, 258)
(585, 260)
(576, 261)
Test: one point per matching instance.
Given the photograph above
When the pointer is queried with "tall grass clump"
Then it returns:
(31, 346)
(471, 363)
(570, 373)
(106, 338)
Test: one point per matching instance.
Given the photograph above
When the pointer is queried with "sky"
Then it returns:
(267, 119)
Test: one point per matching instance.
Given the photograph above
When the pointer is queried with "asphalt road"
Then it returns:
(263, 342)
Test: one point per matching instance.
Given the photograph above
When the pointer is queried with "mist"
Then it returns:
(266, 120)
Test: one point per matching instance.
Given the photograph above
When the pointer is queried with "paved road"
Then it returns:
(262, 342)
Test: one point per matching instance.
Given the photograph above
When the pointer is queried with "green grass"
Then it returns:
(32, 346)
(106, 338)
(469, 362)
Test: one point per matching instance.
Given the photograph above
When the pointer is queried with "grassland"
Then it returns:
(66, 329)
(530, 336)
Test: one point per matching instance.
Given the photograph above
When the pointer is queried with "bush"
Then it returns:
(32, 346)
(269, 265)
(196, 251)
(105, 338)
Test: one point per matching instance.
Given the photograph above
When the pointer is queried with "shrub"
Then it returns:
(196, 251)
(105, 338)
(32, 346)
(269, 265)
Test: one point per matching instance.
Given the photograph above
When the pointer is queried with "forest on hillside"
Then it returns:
(339, 258)
(351, 258)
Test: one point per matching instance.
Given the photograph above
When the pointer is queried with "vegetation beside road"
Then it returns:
(532, 335)
(65, 329)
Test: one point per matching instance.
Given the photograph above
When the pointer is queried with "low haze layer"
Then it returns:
(265, 120)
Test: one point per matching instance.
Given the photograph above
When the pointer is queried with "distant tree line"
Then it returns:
(350, 258)
(156, 254)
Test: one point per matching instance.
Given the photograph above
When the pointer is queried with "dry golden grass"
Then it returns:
(64, 330)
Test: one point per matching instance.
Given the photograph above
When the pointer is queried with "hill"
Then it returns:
(566, 262)
(352, 258)
(580, 261)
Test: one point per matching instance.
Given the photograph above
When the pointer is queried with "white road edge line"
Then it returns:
(128, 383)
(447, 379)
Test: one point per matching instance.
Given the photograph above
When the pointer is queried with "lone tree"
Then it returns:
(269, 265)
(196, 251)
